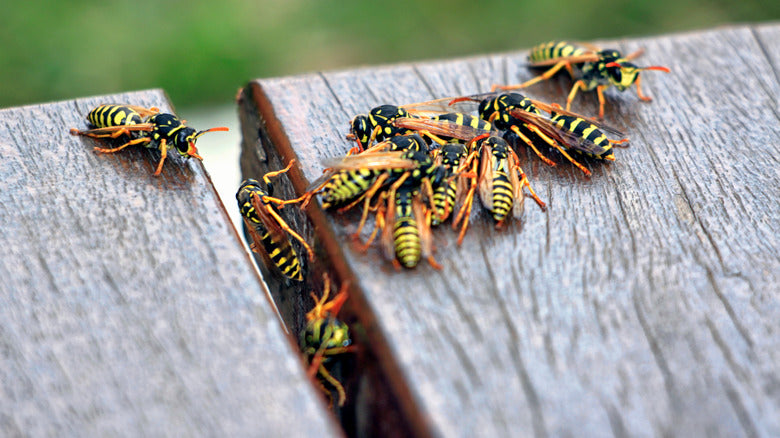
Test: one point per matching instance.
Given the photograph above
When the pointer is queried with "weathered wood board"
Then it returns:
(645, 301)
(129, 307)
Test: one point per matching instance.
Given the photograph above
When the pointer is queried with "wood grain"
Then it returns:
(128, 306)
(644, 302)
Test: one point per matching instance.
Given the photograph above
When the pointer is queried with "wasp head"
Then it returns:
(623, 74)
(185, 141)
(358, 130)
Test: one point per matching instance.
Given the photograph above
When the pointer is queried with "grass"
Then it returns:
(201, 52)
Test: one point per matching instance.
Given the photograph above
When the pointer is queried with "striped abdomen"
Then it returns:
(443, 201)
(445, 193)
(105, 116)
(464, 120)
(503, 195)
(272, 237)
(282, 254)
(587, 132)
(406, 236)
(554, 50)
(346, 185)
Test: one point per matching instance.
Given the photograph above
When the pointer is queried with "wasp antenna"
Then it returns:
(462, 99)
(656, 67)
(219, 128)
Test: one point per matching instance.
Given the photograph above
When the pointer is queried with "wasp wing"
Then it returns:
(443, 128)
(565, 138)
(558, 110)
(577, 59)
(487, 164)
(518, 203)
(275, 231)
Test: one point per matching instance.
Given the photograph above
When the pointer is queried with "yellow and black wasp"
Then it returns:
(324, 337)
(514, 113)
(446, 191)
(563, 130)
(500, 180)
(359, 178)
(592, 68)
(352, 176)
(376, 126)
(403, 217)
(146, 126)
(266, 228)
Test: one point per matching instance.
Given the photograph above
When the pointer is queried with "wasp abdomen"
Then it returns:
(105, 116)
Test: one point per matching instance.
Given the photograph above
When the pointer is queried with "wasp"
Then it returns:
(267, 228)
(145, 126)
(405, 220)
(446, 191)
(592, 67)
(404, 174)
(563, 130)
(324, 336)
(364, 129)
(500, 181)
(378, 126)
(352, 176)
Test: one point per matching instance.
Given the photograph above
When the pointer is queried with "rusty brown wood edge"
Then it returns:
(331, 255)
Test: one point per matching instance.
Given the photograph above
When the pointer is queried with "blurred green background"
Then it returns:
(202, 52)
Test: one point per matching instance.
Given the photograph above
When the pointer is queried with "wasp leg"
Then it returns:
(433, 137)
(528, 141)
(544, 76)
(336, 384)
(117, 149)
(639, 90)
(554, 144)
(112, 131)
(600, 94)
(292, 232)
(163, 155)
(634, 55)
(524, 182)
(577, 85)
(465, 209)
(366, 203)
(378, 226)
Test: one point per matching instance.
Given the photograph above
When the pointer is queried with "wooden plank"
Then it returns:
(129, 307)
(644, 302)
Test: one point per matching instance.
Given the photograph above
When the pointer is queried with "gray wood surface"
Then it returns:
(644, 302)
(128, 306)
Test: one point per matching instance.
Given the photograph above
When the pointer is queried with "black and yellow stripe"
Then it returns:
(445, 193)
(406, 236)
(105, 116)
(586, 131)
(346, 185)
(552, 50)
(279, 249)
(463, 120)
(283, 256)
(503, 193)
